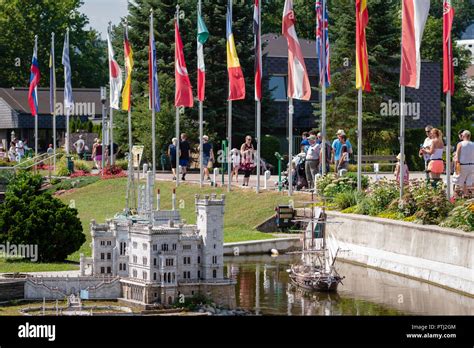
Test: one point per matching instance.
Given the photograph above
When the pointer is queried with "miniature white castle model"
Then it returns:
(158, 257)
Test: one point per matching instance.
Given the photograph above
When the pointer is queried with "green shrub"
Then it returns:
(122, 163)
(365, 206)
(330, 185)
(461, 217)
(61, 167)
(350, 210)
(31, 217)
(393, 215)
(382, 194)
(346, 199)
(82, 165)
(410, 219)
(406, 206)
(432, 204)
(73, 183)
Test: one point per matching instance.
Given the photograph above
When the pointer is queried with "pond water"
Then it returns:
(263, 286)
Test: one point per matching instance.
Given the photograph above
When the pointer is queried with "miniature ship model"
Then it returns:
(317, 268)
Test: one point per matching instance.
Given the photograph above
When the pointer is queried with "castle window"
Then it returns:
(214, 246)
(169, 262)
(164, 247)
(134, 245)
(124, 266)
(199, 246)
(186, 247)
(214, 274)
(135, 259)
(120, 266)
(134, 273)
(109, 242)
(145, 261)
(154, 277)
(174, 246)
(102, 242)
(184, 275)
(109, 256)
(189, 275)
(154, 262)
(155, 247)
(214, 259)
(144, 245)
(102, 256)
(109, 270)
(122, 248)
(102, 270)
(144, 275)
(199, 259)
(199, 274)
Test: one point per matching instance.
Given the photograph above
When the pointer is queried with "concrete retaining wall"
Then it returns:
(262, 246)
(439, 255)
(53, 288)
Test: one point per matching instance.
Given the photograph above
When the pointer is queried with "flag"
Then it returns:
(258, 50)
(414, 16)
(52, 78)
(128, 56)
(68, 102)
(34, 81)
(154, 88)
(298, 81)
(184, 91)
(236, 77)
(115, 76)
(448, 64)
(324, 64)
(362, 57)
(202, 36)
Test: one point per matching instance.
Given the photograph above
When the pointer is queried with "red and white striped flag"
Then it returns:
(298, 81)
(414, 16)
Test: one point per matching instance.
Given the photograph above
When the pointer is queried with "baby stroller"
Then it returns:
(299, 174)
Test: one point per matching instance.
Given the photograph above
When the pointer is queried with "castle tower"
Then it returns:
(210, 223)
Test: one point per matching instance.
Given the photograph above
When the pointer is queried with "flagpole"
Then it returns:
(111, 122)
(68, 109)
(359, 141)
(290, 146)
(448, 122)
(153, 101)
(36, 95)
(130, 141)
(402, 139)
(177, 117)
(229, 146)
(54, 101)
(201, 131)
(259, 102)
(323, 89)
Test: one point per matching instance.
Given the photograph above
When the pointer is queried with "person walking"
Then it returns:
(235, 159)
(207, 156)
(172, 156)
(184, 155)
(426, 144)
(97, 154)
(435, 151)
(79, 146)
(464, 176)
(20, 150)
(344, 156)
(337, 148)
(247, 153)
(312, 160)
(406, 173)
(304, 142)
(12, 156)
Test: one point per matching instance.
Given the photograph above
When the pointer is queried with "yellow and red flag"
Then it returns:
(362, 57)
(127, 89)
(236, 77)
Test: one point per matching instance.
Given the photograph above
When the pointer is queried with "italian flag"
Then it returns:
(202, 36)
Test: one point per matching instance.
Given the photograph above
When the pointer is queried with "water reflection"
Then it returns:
(263, 285)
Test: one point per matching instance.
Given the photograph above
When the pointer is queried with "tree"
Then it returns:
(21, 20)
(30, 217)
(215, 105)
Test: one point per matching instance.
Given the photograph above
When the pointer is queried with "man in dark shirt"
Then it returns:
(184, 150)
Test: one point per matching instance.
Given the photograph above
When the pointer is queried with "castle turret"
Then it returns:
(210, 223)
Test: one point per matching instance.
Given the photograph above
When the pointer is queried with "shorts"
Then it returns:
(184, 162)
(205, 160)
(436, 166)
(173, 163)
(465, 176)
(98, 158)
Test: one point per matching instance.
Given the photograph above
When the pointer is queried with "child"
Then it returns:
(406, 173)
(235, 158)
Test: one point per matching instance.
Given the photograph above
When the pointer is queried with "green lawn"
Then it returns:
(244, 208)
(15, 266)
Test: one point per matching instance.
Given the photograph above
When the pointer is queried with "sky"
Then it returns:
(101, 12)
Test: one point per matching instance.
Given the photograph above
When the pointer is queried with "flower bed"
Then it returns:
(421, 203)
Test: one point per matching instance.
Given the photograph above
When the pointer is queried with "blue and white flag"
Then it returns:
(68, 102)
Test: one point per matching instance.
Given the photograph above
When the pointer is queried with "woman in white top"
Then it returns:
(235, 158)
(464, 175)
(435, 150)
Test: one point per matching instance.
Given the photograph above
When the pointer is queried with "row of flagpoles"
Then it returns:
(414, 16)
